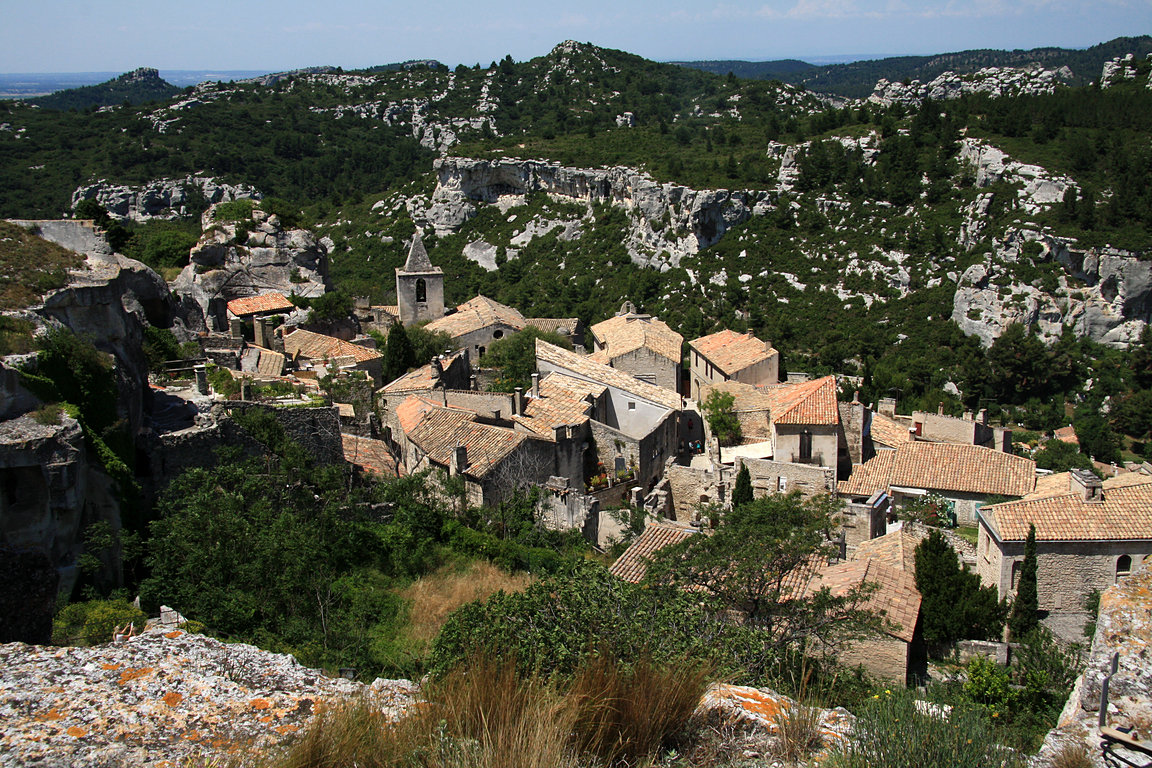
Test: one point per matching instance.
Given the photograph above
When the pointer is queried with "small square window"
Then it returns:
(631, 405)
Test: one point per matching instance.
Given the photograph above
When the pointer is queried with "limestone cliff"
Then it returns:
(669, 221)
(247, 258)
(161, 198)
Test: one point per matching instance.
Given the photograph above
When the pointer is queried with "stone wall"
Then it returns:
(648, 366)
(783, 477)
(885, 658)
(690, 487)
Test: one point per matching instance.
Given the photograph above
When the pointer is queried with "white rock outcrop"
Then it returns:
(159, 199)
(997, 81)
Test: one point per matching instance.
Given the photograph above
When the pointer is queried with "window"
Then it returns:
(421, 290)
(497, 334)
(631, 405)
(805, 446)
(1123, 566)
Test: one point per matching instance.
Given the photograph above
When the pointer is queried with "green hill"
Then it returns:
(139, 86)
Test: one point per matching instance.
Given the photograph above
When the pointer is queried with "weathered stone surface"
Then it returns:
(1111, 301)
(996, 81)
(1124, 627)
(271, 259)
(758, 710)
(159, 199)
(668, 221)
(164, 697)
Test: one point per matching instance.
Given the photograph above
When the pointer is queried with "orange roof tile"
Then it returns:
(418, 379)
(559, 384)
(871, 476)
(889, 432)
(267, 302)
(543, 413)
(962, 469)
(438, 431)
(732, 352)
(633, 564)
(1063, 515)
(896, 549)
(565, 326)
(370, 455)
(317, 346)
(807, 402)
(1067, 435)
(626, 333)
(579, 366)
(475, 314)
(896, 598)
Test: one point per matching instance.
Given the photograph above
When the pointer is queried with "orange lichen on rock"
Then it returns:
(266, 719)
(51, 714)
(173, 634)
(129, 675)
(286, 729)
(111, 666)
(76, 732)
(260, 704)
(172, 698)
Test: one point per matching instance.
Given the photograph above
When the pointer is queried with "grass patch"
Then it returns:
(969, 533)
(30, 266)
(15, 336)
(47, 415)
(485, 714)
(234, 210)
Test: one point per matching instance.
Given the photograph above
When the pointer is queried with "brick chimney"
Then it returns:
(1086, 485)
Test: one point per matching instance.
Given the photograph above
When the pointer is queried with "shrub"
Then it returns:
(894, 732)
(234, 210)
(47, 415)
(92, 622)
(1071, 756)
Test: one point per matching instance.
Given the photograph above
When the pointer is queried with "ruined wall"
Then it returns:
(825, 444)
(691, 487)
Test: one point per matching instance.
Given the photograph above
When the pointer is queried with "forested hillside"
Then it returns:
(894, 242)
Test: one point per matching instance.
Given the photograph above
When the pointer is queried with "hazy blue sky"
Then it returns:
(118, 35)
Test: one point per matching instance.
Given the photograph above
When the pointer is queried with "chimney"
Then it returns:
(887, 407)
(982, 416)
(967, 415)
(940, 409)
(472, 382)
(559, 433)
(459, 461)
(519, 393)
(201, 379)
(535, 386)
(1086, 485)
(856, 396)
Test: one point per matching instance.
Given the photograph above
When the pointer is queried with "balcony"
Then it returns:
(816, 459)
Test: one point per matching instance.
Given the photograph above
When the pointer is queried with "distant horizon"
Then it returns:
(69, 36)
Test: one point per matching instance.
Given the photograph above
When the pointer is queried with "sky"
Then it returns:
(274, 35)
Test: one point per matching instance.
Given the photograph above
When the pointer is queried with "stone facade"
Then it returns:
(784, 477)
(647, 365)
(885, 658)
(825, 442)
(864, 520)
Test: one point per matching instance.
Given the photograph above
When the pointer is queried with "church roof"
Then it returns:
(418, 260)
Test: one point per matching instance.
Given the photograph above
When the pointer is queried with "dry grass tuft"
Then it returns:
(799, 733)
(1071, 756)
(435, 596)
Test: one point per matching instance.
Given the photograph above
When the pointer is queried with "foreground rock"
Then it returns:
(165, 697)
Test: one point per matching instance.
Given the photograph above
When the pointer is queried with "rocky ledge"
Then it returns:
(166, 697)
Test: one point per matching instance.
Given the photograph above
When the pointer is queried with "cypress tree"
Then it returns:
(1026, 607)
(742, 492)
(398, 353)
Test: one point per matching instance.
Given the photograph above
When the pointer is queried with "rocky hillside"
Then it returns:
(136, 87)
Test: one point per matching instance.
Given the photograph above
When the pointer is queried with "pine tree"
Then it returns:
(954, 605)
(1026, 608)
(398, 353)
(742, 492)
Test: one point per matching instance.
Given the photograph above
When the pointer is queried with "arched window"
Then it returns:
(1123, 566)
(421, 290)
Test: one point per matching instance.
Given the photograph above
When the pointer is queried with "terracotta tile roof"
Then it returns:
(558, 384)
(626, 333)
(806, 402)
(889, 432)
(633, 564)
(1124, 514)
(267, 302)
(543, 413)
(1049, 485)
(270, 363)
(565, 326)
(962, 469)
(475, 314)
(579, 366)
(346, 410)
(896, 598)
(370, 455)
(1066, 435)
(896, 549)
(871, 476)
(437, 431)
(418, 379)
(732, 352)
(317, 346)
(1127, 479)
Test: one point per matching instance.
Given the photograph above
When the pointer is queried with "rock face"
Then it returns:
(264, 257)
(159, 199)
(1111, 301)
(1120, 69)
(668, 221)
(1038, 186)
(166, 695)
(1124, 627)
(997, 81)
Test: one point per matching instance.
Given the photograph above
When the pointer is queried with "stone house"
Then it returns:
(480, 321)
(327, 354)
(640, 345)
(493, 460)
(896, 599)
(634, 425)
(965, 476)
(632, 565)
(939, 427)
(732, 356)
(1089, 534)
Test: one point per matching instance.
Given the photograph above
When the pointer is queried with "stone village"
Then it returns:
(617, 421)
